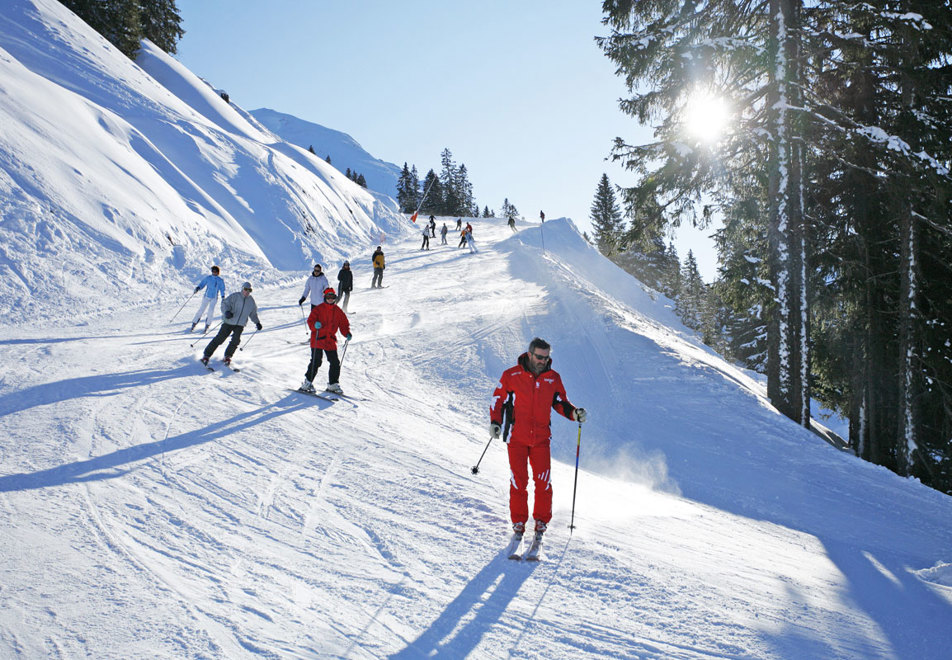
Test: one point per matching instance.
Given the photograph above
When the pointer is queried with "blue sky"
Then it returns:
(518, 91)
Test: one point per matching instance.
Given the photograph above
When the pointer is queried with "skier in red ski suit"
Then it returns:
(524, 398)
(324, 321)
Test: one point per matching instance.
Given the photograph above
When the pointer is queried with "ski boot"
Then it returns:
(307, 386)
(512, 550)
(334, 388)
(193, 326)
(532, 554)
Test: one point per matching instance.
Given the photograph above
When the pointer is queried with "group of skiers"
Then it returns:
(522, 401)
(324, 322)
(465, 237)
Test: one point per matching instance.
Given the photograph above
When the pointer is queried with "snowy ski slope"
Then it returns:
(153, 509)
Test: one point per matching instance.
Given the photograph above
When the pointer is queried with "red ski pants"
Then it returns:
(538, 458)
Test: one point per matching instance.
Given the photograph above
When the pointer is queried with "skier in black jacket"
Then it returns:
(345, 284)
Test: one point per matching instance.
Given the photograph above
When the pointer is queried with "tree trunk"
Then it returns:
(787, 325)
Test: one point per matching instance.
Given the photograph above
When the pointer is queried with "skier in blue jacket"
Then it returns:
(214, 286)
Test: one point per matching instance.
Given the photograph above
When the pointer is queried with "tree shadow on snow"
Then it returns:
(483, 601)
(119, 462)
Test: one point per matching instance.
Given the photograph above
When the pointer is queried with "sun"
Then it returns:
(706, 117)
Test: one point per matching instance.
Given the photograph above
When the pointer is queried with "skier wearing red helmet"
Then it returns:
(324, 321)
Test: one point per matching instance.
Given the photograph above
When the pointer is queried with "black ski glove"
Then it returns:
(259, 326)
(228, 315)
(197, 289)
(301, 301)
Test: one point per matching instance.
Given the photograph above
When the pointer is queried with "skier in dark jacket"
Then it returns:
(345, 284)
(379, 264)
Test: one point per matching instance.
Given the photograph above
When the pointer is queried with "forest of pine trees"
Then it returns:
(448, 193)
(833, 184)
(127, 22)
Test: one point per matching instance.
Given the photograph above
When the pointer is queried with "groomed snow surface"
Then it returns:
(151, 508)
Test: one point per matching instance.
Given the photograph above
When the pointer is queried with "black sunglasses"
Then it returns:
(539, 357)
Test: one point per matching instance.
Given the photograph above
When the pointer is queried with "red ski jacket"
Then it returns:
(332, 319)
(529, 400)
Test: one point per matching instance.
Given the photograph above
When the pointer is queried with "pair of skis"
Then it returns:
(531, 553)
(329, 396)
(211, 368)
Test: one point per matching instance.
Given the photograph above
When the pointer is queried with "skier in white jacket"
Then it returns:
(314, 286)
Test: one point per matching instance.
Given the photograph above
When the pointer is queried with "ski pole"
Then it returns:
(306, 329)
(249, 340)
(578, 448)
(475, 468)
(183, 306)
(344, 352)
(203, 336)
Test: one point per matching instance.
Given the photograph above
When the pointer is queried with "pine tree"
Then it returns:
(509, 210)
(691, 302)
(161, 23)
(126, 22)
(432, 202)
(607, 223)
(408, 194)
(674, 45)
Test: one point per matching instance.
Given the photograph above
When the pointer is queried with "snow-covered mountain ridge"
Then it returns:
(144, 167)
(345, 152)
(151, 508)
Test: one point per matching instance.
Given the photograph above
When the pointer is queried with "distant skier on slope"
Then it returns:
(524, 399)
(214, 286)
(324, 321)
(443, 234)
(432, 227)
(314, 286)
(426, 239)
(512, 223)
(470, 241)
(236, 309)
(542, 217)
(379, 262)
(345, 284)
